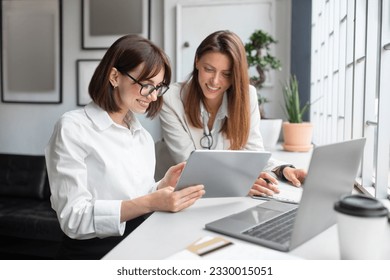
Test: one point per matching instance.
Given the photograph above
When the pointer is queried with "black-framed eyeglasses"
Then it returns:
(147, 89)
(206, 142)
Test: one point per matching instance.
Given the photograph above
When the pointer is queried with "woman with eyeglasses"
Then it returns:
(101, 161)
(216, 108)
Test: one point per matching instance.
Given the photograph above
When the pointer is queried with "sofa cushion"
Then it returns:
(23, 176)
(29, 219)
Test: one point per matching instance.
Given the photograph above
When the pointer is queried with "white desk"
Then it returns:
(164, 234)
(299, 159)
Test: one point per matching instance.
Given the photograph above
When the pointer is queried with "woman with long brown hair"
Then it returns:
(216, 108)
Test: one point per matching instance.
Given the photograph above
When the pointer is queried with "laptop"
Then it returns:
(285, 226)
(224, 173)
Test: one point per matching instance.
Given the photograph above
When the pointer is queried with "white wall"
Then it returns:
(26, 128)
(282, 33)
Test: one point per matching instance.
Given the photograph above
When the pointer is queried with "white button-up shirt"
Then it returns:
(93, 164)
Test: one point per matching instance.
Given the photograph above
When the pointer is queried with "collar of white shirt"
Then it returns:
(103, 121)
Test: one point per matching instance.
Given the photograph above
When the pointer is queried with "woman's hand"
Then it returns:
(167, 199)
(294, 176)
(164, 199)
(172, 176)
(264, 185)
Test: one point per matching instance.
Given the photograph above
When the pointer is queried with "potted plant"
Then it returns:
(297, 133)
(258, 56)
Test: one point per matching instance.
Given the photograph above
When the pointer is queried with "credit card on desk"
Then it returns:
(288, 194)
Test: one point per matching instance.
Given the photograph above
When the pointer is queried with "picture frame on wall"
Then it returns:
(99, 30)
(84, 71)
(31, 51)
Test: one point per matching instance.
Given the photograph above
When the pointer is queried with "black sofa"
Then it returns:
(29, 228)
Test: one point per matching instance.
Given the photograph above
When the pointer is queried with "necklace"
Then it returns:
(125, 124)
(126, 121)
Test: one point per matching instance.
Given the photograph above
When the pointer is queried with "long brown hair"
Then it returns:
(125, 54)
(236, 126)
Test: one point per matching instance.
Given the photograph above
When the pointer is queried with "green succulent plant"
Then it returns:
(293, 109)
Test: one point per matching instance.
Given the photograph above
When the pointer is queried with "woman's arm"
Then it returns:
(81, 214)
(67, 172)
(266, 183)
(165, 198)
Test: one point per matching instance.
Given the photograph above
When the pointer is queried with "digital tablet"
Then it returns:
(224, 173)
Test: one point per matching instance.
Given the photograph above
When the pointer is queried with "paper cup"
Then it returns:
(363, 228)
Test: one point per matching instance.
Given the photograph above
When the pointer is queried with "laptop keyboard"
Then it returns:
(278, 229)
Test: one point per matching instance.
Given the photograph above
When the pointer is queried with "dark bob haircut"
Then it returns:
(126, 54)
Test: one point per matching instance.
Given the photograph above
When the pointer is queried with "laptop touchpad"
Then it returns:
(263, 212)
(255, 215)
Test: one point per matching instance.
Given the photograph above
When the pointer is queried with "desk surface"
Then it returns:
(165, 234)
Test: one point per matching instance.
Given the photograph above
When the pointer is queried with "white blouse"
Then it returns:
(93, 164)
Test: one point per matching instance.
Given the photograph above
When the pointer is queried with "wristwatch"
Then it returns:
(279, 171)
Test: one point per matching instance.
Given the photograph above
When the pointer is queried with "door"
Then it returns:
(194, 21)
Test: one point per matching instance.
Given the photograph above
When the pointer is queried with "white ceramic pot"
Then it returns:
(270, 131)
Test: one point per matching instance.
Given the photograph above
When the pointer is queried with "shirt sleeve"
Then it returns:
(79, 214)
(175, 131)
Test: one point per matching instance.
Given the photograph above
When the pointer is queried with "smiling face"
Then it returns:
(128, 92)
(214, 75)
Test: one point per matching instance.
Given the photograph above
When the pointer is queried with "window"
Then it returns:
(350, 56)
